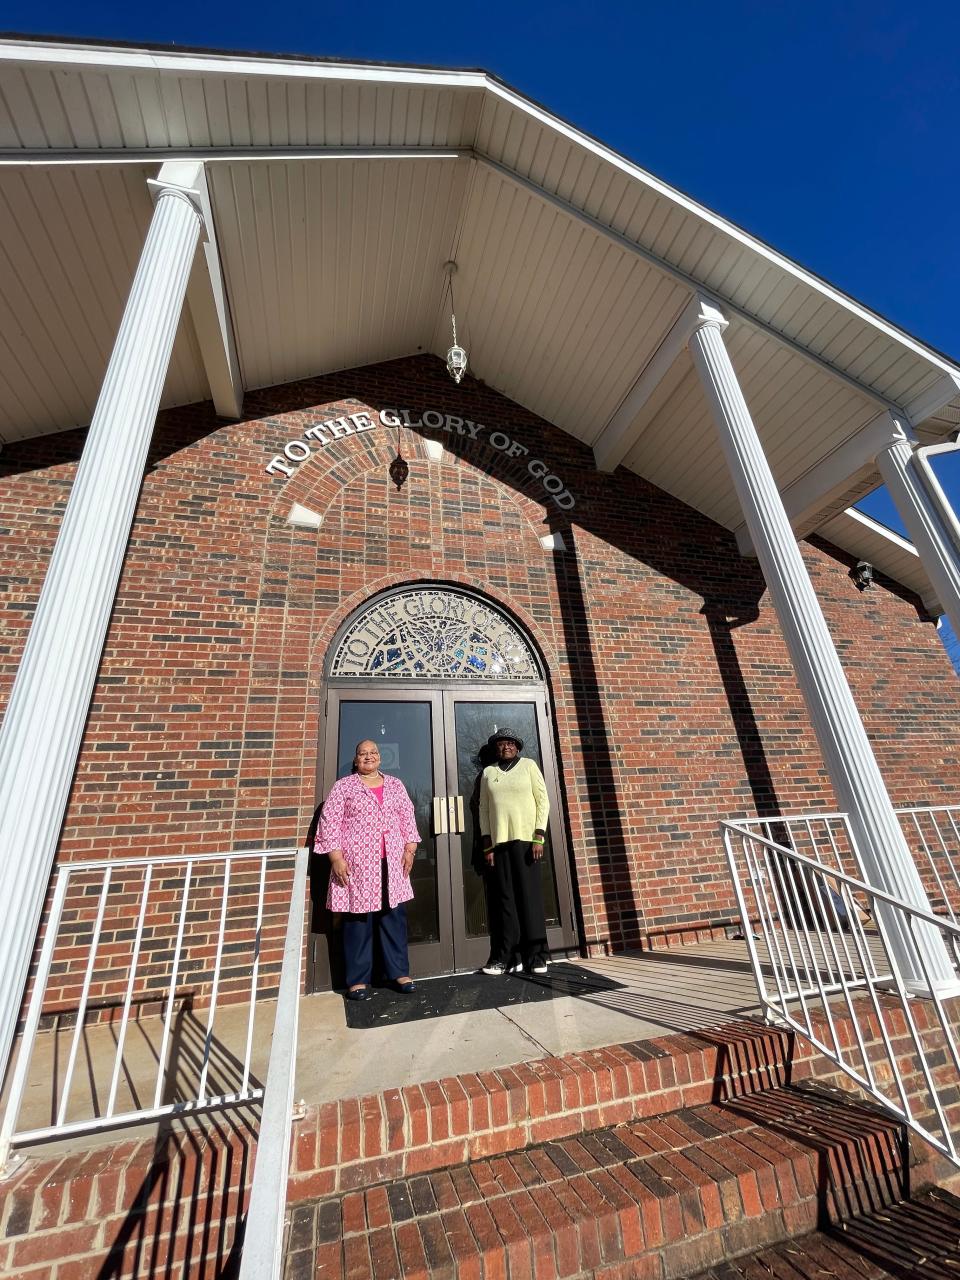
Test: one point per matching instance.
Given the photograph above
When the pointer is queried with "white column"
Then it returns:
(843, 741)
(45, 718)
(925, 523)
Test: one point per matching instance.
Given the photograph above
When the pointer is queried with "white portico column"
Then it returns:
(843, 741)
(925, 524)
(44, 722)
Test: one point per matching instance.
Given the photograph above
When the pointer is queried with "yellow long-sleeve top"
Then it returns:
(513, 802)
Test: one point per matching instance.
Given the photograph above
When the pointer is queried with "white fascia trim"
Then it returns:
(876, 527)
(215, 155)
(720, 224)
(224, 64)
(103, 57)
(927, 403)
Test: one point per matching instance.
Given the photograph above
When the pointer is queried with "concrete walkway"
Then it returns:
(658, 992)
(682, 989)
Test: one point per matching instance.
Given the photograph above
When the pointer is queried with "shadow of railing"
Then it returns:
(186, 1218)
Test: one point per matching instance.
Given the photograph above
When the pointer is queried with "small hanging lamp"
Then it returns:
(399, 469)
(456, 356)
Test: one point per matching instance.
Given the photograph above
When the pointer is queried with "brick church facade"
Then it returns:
(672, 697)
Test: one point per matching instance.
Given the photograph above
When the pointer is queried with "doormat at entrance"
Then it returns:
(472, 992)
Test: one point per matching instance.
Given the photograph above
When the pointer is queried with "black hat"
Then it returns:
(506, 735)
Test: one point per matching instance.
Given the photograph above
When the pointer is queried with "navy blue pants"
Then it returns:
(391, 923)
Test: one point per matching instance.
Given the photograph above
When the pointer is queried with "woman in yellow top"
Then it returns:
(513, 823)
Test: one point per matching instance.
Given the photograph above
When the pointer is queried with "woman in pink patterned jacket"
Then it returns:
(369, 832)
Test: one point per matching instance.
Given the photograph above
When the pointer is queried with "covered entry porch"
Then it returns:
(663, 343)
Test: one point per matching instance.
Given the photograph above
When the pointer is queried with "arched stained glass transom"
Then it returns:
(434, 633)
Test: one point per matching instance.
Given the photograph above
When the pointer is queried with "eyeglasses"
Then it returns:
(368, 755)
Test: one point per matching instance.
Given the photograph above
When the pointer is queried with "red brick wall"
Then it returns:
(674, 698)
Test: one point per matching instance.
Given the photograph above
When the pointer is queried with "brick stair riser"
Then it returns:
(119, 1205)
(559, 1211)
(397, 1134)
(340, 1146)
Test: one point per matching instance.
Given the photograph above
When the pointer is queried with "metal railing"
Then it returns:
(933, 834)
(817, 946)
(141, 931)
(262, 1255)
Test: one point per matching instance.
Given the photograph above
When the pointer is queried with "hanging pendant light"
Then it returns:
(399, 469)
(456, 356)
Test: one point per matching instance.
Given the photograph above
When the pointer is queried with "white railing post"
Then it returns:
(50, 699)
(262, 1254)
(843, 740)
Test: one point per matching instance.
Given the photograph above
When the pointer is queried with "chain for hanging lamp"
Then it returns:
(456, 356)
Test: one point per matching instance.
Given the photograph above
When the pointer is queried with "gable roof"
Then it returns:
(339, 189)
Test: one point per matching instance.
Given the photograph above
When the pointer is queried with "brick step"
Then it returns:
(340, 1146)
(661, 1196)
(918, 1238)
(357, 1142)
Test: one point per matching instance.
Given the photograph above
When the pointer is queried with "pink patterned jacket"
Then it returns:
(354, 822)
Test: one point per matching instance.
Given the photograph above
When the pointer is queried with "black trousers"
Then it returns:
(519, 896)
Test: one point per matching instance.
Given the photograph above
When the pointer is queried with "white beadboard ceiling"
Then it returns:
(338, 192)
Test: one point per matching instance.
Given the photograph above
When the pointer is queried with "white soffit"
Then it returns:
(799, 408)
(70, 239)
(331, 266)
(867, 539)
(573, 261)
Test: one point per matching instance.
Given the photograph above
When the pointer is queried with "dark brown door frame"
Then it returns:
(442, 696)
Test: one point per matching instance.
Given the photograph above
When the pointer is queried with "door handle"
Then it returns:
(439, 816)
(455, 810)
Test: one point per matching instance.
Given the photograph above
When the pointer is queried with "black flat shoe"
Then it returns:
(405, 988)
(359, 993)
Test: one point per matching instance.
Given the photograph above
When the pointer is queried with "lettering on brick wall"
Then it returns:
(320, 434)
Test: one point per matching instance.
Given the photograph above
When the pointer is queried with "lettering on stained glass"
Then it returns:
(435, 635)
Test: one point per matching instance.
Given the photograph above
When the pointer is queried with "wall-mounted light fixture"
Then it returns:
(862, 575)
(399, 469)
(456, 356)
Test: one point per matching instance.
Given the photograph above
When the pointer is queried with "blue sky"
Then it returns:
(828, 129)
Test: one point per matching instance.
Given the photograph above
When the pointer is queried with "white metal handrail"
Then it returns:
(933, 834)
(816, 946)
(262, 1255)
(158, 893)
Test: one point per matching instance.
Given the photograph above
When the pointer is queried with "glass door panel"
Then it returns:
(402, 732)
(470, 719)
(408, 729)
(436, 742)
(474, 722)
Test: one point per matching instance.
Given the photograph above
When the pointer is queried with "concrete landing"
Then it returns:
(682, 989)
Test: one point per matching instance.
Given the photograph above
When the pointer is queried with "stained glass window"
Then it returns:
(431, 633)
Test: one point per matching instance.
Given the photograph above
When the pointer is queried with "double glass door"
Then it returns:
(437, 742)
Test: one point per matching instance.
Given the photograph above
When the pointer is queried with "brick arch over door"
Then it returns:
(373, 539)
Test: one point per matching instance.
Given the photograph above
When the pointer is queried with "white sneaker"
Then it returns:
(494, 970)
(539, 968)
